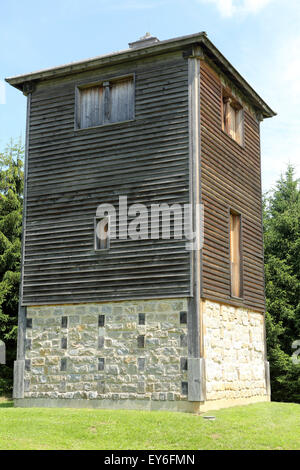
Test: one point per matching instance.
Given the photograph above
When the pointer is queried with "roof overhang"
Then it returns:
(198, 39)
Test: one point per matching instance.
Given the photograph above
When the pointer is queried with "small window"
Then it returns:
(233, 119)
(235, 255)
(105, 103)
(101, 235)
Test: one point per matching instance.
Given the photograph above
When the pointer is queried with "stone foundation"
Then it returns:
(134, 354)
(234, 351)
(133, 350)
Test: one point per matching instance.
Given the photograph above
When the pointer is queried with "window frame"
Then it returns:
(107, 248)
(239, 110)
(94, 83)
(233, 212)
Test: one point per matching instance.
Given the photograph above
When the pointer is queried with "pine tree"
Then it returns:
(11, 201)
(282, 274)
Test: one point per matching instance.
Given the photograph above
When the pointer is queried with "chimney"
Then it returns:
(146, 40)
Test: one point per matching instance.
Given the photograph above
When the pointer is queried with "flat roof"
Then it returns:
(147, 50)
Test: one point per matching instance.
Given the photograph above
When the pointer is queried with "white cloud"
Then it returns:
(228, 8)
(225, 7)
(280, 135)
(254, 6)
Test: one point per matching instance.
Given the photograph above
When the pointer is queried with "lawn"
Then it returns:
(259, 426)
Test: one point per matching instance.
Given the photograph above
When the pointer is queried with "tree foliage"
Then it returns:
(282, 274)
(11, 201)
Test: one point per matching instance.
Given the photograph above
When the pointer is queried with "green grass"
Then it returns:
(259, 426)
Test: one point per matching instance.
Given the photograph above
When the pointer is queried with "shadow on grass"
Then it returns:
(7, 404)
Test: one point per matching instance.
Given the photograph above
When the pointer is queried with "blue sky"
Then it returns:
(261, 38)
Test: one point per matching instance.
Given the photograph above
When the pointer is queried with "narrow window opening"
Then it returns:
(63, 364)
(183, 318)
(184, 388)
(141, 363)
(233, 119)
(235, 255)
(183, 363)
(101, 237)
(141, 341)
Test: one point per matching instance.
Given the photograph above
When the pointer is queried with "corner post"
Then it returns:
(19, 364)
(259, 119)
(196, 366)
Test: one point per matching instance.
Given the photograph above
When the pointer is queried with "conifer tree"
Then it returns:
(11, 200)
(282, 275)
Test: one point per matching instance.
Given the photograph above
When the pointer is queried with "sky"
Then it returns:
(261, 38)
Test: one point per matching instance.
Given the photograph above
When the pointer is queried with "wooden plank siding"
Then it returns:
(71, 172)
(230, 179)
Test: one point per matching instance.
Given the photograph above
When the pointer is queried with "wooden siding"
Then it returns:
(230, 180)
(71, 172)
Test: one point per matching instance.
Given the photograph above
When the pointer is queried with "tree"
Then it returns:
(282, 275)
(11, 201)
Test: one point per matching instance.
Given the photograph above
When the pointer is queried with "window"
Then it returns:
(235, 255)
(233, 119)
(105, 103)
(101, 233)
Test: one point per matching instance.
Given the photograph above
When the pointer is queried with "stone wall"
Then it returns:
(119, 350)
(132, 351)
(234, 352)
